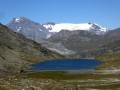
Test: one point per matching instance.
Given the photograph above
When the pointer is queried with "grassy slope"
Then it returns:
(111, 60)
(62, 75)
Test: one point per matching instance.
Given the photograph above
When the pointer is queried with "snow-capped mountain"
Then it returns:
(91, 27)
(29, 28)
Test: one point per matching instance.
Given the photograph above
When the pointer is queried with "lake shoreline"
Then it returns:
(72, 72)
(66, 64)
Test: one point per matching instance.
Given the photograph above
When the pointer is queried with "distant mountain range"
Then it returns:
(66, 38)
(38, 31)
(87, 44)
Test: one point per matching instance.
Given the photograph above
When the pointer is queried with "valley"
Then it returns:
(28, 43)
(59, 44)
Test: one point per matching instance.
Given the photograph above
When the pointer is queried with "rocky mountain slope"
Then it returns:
(87, 44)
(109, 48)
(77, 40)
(57, 47)
(113, 35)
(29, 28)
(17, 52)
(36, 32)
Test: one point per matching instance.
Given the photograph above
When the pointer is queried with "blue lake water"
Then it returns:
(66, 64)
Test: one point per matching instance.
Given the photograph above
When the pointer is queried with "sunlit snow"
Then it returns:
(72, 27)
(18, 29)
(17, 19)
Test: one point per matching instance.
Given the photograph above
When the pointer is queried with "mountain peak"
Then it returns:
(17, 19)
(92, 23)
(21, 19)
(29, 28)
(49, 23)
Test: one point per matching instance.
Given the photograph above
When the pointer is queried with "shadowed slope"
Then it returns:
(16, 51)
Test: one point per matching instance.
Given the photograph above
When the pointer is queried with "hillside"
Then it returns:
(87, 44)
(17, 52)
(78, 40)
(113, 35)
(111, 60)
(91, 53)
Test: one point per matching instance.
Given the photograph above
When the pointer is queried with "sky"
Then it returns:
(103, 12)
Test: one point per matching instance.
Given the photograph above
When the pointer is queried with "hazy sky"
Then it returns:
(103, 12)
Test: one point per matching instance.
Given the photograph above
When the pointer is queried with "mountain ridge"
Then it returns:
(86, 44)
(17, 52)
(29, 28)
(95, 36)
(91, 27)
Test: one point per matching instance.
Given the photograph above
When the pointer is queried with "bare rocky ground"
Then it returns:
(32, 84)
(21, 82)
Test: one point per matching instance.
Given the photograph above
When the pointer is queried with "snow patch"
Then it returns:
(68, 26)
(18, 29)
(48, 36)
(17, 20)
(40, 30)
